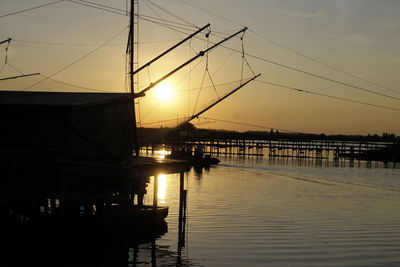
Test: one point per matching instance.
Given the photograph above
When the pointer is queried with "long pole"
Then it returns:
(221, 99)
(5, 41)
(170, 49)
(202, 53)
(19, 76)
(131, 78)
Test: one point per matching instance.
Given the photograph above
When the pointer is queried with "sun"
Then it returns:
(164, 92)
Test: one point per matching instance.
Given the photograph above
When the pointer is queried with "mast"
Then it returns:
(131, 78)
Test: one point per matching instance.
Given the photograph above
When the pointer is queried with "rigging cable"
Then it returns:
(330, 96)
(170, 22)
(175, 85)
(104, 6)
(15, 68)
(217, 85)
(307, 72)
(292, 50)
(151, 111)
(160, 121)
(204, 75)
(62, 82)
(76, 86)
(171, 28)
(245, 59)
(160, 18)
(6, 56)
(226, 60)
(171, 14)
(29, 9)
(87, 44)
(97, 7)
(208, 71)
(77, 60)
(124, 13)
(253, 125)
(322, 77)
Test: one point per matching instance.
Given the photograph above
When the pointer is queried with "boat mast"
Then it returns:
(131, 76)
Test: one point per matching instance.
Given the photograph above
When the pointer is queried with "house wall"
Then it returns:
(101, 132)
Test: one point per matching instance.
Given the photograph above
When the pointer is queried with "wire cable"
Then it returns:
(330, 96)
(160, 18)
(202, 82)
(29, 9)
(97, 7)
(100, 5)
(291, 49)
(189, 27)
(87, 44)
(15, 68)
(322, 77)
(125, 13)
(306, 72)
(303, 71)
(169, 27)
(6, 55)
(76, 86)
(77, 60)
(172, 14)
(251, 125)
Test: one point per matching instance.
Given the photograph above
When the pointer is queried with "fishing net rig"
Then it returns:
(203, 55)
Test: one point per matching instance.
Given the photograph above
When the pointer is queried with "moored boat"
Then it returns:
(119, 215)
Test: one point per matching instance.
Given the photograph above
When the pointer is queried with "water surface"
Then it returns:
(260, 212)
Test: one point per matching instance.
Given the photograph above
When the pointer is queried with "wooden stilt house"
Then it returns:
(70, 148)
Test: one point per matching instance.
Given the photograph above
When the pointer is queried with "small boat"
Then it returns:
(120, 215)
(194, 160)
(205, 161)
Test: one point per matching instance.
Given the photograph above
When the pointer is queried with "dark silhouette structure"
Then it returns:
(70, 153)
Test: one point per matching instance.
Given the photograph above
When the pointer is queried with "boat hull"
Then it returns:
(119, 215)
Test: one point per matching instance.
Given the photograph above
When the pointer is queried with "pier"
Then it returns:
(277, 148)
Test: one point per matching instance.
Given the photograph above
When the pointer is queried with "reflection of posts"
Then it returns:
(182, 214)
(139, 188)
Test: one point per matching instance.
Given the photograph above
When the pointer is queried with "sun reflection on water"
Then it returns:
(161, 153)
(162, 188)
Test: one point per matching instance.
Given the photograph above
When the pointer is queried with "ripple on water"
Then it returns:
(260, 215)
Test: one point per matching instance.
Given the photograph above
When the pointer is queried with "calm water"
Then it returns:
(258, 212)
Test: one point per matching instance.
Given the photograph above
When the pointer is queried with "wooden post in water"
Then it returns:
(182, 212)
(155, 194)
(181, 197)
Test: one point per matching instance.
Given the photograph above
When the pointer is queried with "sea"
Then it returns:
(280, 212)
(245, 211)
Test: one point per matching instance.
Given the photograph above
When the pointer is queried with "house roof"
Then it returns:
(57, 100)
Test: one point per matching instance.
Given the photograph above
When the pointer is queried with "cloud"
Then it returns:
(354, 38)
(304, 15)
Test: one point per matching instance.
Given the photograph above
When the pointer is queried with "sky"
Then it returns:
(326, 66)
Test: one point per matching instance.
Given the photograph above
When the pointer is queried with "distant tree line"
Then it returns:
(151, 135)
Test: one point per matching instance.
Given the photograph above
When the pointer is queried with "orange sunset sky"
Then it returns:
(342, 55)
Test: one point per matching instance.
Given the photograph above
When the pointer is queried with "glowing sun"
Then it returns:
(164, 92)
